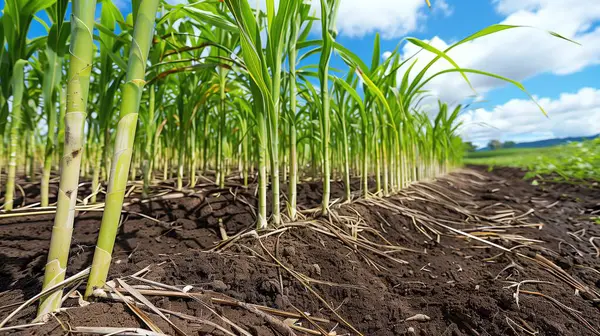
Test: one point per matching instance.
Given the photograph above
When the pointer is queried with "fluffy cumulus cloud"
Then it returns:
(391, 18)
(571, 114)
(358, 17)
(520, 54)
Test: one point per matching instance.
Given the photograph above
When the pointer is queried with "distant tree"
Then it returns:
(509, 144)
(469, 146)
(495, 144)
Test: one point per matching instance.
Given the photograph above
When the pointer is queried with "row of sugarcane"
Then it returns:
(210, 86)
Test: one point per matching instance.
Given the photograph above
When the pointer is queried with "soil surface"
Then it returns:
(472, 253)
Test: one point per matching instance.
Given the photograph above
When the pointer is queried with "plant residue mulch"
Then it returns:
(471, 253)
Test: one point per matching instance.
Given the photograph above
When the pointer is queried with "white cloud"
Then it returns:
(443, 7)
(571, 114)
(357, 18)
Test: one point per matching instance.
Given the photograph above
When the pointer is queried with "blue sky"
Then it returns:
(562, 76)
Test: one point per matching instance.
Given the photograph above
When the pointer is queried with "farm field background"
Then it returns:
(294, 168)
(575, 162)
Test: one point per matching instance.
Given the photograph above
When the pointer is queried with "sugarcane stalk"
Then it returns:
(245, 158)
(384, 160)
(345, 155)
(82, 50)
(125, 136)
(150, 143)
(97, 157)
(165, 165)
(205, 144)
(31, 156)
(1, 159)
(193, 156)
(274, 146)
(329, 12)
(51, 78)
(180, 152)
(18, 81)
(62, 110)
(262, 171)
(293, 179)
(105, 154)
(222, 135)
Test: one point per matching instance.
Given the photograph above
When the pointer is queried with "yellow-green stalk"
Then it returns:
(97, 157)
(125, 136)
(292, 189)
(328, 15)
(148, 164)
(78, 80)
(15, 124)
(52, 75)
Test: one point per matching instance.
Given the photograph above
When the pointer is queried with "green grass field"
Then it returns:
(574, 161)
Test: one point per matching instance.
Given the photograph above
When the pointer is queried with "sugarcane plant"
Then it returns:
(264, 67)
(298, 34)
(16, 20)
(329, 9)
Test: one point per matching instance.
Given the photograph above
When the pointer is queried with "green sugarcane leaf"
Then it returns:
(353, 93)
(441, 54)
(34, 45)
(110, 15)
(200, 12)
(210, 18)
(109, 32)
(12, 11)
(405, 77)
(484, 32)
(488, 74)
(57, 12)
(251, 44)
(351, 58)
(562, 37)
(1, 34)
(310, 43)
(306, 73)
(34, 6)
(311, 94)
(10, 26)
(376, 53)
(120, 62)
(270, 12)
(378, 93)
(63, 38)
(309, 53)
(309, 22)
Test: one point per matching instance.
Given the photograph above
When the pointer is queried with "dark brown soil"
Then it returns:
(461, 284)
